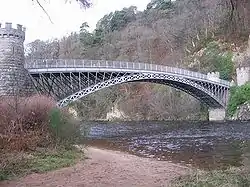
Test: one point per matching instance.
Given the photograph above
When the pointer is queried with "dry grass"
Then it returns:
(233, 177)
(31, 124)
(24, 122)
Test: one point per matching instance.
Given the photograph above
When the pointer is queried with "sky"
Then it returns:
(66, 17)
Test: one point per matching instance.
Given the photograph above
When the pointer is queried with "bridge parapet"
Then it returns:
(50, 64)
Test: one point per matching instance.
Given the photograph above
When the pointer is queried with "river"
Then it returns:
(204, 145)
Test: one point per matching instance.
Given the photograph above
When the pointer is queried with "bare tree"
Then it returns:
(239, 15)
(157, 36)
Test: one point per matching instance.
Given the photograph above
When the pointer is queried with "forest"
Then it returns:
(200, 35)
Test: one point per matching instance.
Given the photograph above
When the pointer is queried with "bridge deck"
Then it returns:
(69, 80)
(59, 65)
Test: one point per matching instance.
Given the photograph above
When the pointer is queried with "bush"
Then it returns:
(64, 129)
(238, 96)
(32, 127)
(217, 60)
(28, 123)
(225, 66)
(19, 115)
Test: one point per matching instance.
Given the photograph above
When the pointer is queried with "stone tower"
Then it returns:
(14, 79)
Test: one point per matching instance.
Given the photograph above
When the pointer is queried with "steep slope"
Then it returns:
(166, 32)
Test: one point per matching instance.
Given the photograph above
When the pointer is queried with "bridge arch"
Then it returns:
(70, 80)
(201, 93)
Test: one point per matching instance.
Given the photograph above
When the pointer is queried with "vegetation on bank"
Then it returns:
(16, 164)
(214, 58)
(36, 136)
(235, 177)
(238, 96)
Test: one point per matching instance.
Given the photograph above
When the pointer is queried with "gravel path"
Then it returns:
(106, 168)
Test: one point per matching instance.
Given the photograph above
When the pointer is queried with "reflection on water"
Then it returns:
(201, 144)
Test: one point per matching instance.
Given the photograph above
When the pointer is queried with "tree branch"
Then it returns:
(41, 6)
(83, 3)
(232, 10)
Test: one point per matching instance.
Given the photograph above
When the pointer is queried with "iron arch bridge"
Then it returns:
(70, 80)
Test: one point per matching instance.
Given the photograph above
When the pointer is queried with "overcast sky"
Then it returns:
(66, 17)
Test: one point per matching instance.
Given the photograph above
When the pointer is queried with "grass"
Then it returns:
(233, 177)
(21, 164)
(36, 136)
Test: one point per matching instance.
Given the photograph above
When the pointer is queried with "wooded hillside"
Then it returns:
(166, 32)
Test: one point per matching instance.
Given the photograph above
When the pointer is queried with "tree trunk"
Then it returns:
(239, 18)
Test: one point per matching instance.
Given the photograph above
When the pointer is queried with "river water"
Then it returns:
(204, 145)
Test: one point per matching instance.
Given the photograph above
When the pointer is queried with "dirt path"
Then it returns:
(106, 168)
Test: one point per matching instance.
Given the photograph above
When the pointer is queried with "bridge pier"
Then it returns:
(217, 114)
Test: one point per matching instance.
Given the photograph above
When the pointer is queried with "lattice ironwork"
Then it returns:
(74, 79)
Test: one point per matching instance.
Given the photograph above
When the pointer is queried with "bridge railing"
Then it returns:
(75, 63)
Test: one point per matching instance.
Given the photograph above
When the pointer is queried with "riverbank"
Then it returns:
(20, 164)
(36, 136)
(107, 168)
(231, 177)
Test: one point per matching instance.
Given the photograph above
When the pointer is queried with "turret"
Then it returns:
(13, 77)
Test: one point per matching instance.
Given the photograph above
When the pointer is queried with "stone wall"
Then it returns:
(14, 79)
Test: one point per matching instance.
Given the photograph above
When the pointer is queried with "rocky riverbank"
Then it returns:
(243, 112)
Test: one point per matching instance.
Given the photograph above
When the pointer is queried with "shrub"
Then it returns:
(64, 129)
(238, 96)
(225, 66)
(217, 60)
(35, 136)
(19, 115)
(28, 123)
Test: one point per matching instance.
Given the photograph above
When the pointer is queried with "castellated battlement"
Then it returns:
(213, 76)
(242, 69)
(8, 31)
